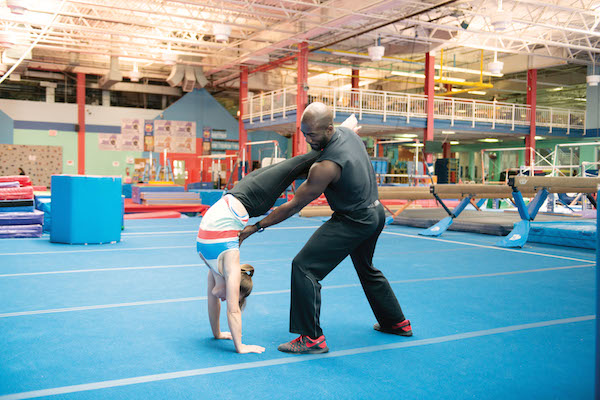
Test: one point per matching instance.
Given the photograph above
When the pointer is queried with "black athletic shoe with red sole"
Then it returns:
(305, 345)
(402, 328)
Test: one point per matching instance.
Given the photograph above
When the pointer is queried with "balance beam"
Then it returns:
(543, 185)
(468, 193)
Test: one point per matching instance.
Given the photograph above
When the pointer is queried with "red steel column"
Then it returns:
(354, 83)
(298, 143)
(81, 123)
(243, 135)
(446, 149)
(531, 101)
(429, 92)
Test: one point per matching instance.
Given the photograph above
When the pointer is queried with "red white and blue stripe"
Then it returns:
(219, 230)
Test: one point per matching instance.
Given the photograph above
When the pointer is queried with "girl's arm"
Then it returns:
(214, 310)
(232, 272)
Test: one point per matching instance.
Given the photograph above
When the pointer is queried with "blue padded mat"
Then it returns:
(22, 218)
(580, 233)
(20, 231)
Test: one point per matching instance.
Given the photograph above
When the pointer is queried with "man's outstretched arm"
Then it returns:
(320, 175)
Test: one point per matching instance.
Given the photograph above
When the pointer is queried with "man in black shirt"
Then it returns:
(344, 173)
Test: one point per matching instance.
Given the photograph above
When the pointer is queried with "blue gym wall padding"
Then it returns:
(86, 209)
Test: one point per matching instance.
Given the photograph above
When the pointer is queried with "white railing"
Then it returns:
(268, 105)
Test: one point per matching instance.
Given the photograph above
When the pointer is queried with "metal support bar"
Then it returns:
(592, 200)
(520, 203)
(536, 203)
(443, 205)
(461, 206)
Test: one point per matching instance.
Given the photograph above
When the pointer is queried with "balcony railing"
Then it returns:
(268, 106)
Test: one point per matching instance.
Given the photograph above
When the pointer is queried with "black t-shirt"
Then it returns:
(259, 190)
(357, 187)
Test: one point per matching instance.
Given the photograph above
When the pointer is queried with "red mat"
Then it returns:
(131, 207)
(22, 179)
(19, 193)
(154, 215)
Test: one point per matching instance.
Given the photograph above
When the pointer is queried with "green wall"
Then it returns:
(97, 162)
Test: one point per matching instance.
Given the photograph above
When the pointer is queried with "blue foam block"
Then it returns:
(86, 209)
(573, 234)
(127, 190)
(208, 196)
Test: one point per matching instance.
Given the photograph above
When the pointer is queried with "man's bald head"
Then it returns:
(317, 125)
(317, 115)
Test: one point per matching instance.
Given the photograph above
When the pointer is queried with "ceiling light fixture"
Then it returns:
(489, 140)
(376, 52)
(453, 142)
(221, 32)
(469, 71)
(592, 80)
(448, 132)
(17, 6)
(495, 67)
(422, 76)
(500, 19)
(135, 75)
(477, 92)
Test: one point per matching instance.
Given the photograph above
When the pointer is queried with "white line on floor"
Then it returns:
(490, 247)
(184, 299)
(287, 360)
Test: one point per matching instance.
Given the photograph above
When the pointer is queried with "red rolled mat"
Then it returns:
(22, 179)
(153, 215)
(24, 192)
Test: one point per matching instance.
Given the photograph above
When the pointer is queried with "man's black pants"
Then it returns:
(353, 234)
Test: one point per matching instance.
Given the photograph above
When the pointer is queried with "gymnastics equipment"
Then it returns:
(562, 159)
(22, 218)
(243, 151)
(153, 215)
(509, 162)
(16, 193)
(86, 209)
(20, 231)
(467, 193)
(137, 191)
(542, 185)
(215, 167)
(23, 180)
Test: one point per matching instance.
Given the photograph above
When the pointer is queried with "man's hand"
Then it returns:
(247, 231)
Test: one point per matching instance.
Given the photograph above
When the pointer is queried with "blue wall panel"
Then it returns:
(6, 128)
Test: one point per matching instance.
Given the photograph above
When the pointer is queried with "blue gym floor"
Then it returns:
(129, 320)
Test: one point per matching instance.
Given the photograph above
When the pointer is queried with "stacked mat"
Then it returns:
(163, 194)
(18, 217)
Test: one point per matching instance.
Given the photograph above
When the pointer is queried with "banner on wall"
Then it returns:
(149, 135)
(206, 134)
(109, 141)
(132, 132)
(185, 136)
(163, 135)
